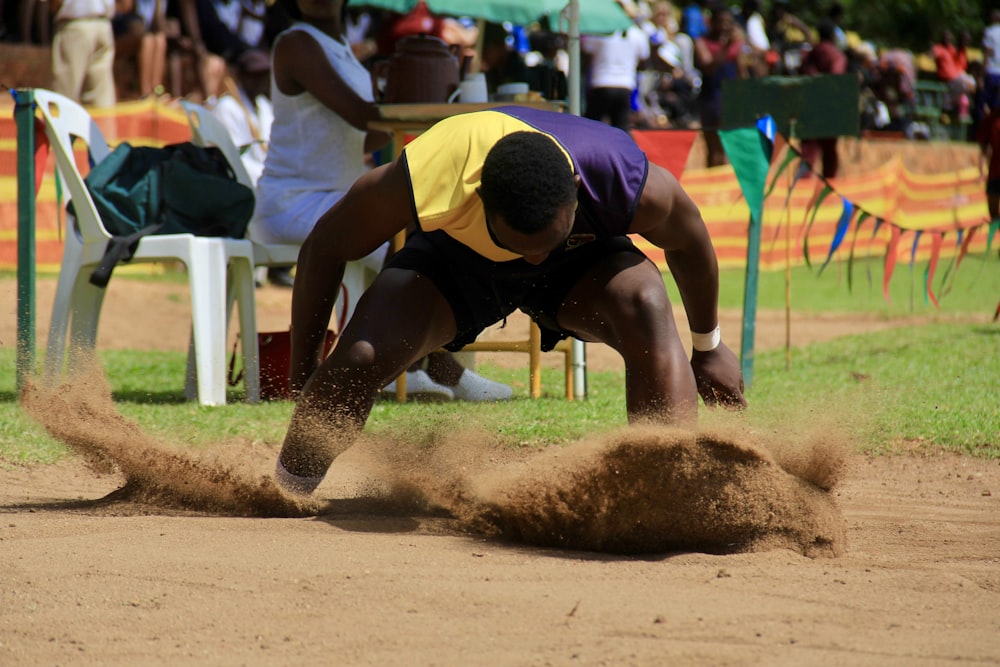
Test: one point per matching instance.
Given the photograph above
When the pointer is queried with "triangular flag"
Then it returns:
(891, 252)
(667, 148)
(789, 156)
(842, 226)
(750, 163)
(823, 192)
(768, 130)
(937, 239)
(854, 240)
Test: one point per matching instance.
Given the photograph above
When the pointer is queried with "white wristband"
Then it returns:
(706, 342)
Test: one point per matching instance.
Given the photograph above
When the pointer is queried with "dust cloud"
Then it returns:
(637, 490)
(81, 414)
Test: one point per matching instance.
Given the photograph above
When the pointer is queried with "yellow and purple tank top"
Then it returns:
(445, 166)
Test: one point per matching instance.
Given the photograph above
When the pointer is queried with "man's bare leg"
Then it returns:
(400, 318)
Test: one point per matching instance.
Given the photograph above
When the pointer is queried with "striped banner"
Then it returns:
(931, 214)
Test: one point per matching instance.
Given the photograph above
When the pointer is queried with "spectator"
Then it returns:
(988, 137)
(245, 109)
(951, 63)
(83, 51)
(824, 58)
(755, 28)
(836, 15)
(220, 30)
(789, 37)
(547, 63)
(693, 23)
(676, 78)
(717, 54)
(501, 60)
(141, 45)
(991, 53)
(614, 63)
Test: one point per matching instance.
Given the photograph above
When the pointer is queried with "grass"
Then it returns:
(928, 387)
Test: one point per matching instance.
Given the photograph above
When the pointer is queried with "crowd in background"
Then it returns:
(665, 71)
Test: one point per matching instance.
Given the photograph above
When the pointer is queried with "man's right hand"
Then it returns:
(719, 378)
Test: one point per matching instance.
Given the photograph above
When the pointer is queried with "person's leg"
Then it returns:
(158, 62)
(152, 62)
(443, 367)
(99, 84)
(399, 319)
(623, 303)
(70, 52)
(831, 161)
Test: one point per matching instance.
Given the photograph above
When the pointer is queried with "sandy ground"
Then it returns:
(89, 578)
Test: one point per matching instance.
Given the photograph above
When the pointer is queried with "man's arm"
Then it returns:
(372, 212)
(668, 219)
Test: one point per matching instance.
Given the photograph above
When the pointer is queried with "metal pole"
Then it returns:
(573, 47)
(24, 116)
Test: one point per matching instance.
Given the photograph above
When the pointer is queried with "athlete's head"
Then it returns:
(527, 179)
(529, 193)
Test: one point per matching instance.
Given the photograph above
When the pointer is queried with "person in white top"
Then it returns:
(245, 109)
(323, 101)
(83, 51)
(614, 63)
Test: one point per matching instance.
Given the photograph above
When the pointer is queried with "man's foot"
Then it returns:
(280, 276)
(294, 484)
(420, 385)
(473, 387)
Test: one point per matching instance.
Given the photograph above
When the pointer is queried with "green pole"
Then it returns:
(750, 301)
(24, 116)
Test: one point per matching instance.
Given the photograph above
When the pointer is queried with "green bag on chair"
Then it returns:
(178, 189)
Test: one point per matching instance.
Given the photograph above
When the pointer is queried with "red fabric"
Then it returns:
(949, 60)
(419, 21)
(666, 148)
(41, 152)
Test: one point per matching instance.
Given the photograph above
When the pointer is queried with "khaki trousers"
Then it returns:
(83, 53)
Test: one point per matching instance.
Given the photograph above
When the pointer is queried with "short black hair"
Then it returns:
(527, 179)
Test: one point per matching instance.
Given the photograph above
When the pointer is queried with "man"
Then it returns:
(823, 58)
(512, 208)
(83, 51)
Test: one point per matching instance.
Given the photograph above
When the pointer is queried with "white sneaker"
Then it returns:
(473, 387)
(420, 385)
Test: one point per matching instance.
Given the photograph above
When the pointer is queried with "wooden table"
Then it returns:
(401, 120)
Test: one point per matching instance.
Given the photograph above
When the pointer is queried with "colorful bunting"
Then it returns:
(747, 170)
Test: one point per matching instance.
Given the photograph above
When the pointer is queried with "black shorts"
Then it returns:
(482, 292)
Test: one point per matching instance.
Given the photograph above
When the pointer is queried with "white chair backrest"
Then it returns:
(207, 130)
(64, 120)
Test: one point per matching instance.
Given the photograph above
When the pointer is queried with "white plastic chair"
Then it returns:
(218, 268)
(207, 130)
